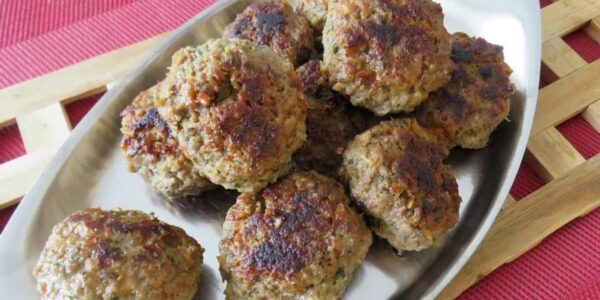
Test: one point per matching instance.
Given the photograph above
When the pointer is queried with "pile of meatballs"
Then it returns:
(332, 119)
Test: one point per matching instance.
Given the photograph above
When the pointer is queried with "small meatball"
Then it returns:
(476, 99)
(397, 176)
(151, 150)
(330, 124)
(274, 24)
(118, 254)
(315, 11)
(387, 55)
(296, 239)
(237, 111)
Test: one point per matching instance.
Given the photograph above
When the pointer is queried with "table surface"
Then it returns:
(39, 36)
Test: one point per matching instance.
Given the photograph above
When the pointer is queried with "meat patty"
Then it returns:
(237, 111)
(151, 149)
(396, 174)
(476, 99)
(118, 254)
(330, 124)
(296, 239)
(387, 55)
(274, 24)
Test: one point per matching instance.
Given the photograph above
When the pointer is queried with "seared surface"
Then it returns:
(330, 124)
(296, 239)
(151, 149)
(387, 55)
(476, 99)
(396, 174)
(95, 254)
(274, 24)
(237, 111)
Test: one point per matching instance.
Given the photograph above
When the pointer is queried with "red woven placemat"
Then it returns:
(38, 36)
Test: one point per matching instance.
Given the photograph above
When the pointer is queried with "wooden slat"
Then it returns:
(559, 59)
(18, 175)
(524, 224)
(593, 29)
(592, 115)
(567, 97)
(551, 155)
(508, 202)
(46, 127)
(90, 76)
(562, 17)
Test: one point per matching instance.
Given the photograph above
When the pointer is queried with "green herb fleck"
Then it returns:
(339, 274)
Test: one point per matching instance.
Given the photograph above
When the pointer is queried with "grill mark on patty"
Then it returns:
(151, 119)
(295, 220)
(261, 21)
(400, 26)
(250, 129)
(105, 253)
(150, 133)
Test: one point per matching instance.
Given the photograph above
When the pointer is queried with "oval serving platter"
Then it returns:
(89, 170)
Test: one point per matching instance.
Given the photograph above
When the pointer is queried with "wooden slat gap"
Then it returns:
(567, 97)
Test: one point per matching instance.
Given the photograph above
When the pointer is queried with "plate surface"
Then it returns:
(89, 170)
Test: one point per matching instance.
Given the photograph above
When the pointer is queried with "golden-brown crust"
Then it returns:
(476, 99)
(396, 174)
(96, 254)
(291, 239)
(330, 124)
(237, 111)
(387, 55)
(151, 149)
(274, 24)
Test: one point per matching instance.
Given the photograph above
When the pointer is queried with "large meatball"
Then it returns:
(274, 24)
(151, 149)
(476, 99)
(315, 11)
(296, 239)
(396, 174)
(96, 254)
(237, 111)
(330, 124)
(387, 55)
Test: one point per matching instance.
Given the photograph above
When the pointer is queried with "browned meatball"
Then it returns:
(151, 150)
(330, 124)
(118, 254)
(387, 55)
(296, 239)
(476, 99)
(275, 24)
(396, 173)
(237, 111)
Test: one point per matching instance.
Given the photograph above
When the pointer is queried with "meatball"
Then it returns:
(330, 124)
(151, 149)
(315, 11)
(119, 254)
(296, 239)
(396, 173)
(387, 55)
(274, 24)
(237, 111)
(476, 99)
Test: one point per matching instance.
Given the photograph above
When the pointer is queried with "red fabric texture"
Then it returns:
(38, 36)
